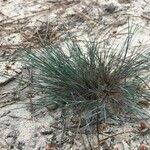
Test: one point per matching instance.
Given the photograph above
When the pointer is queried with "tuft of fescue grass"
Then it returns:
(96, 84)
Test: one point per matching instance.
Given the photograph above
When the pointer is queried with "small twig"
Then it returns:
(104, 139)
(7, 81)
(97, 126)
(90, 145)
(83, 142)
(17, 117)
(30, 94)
(12, 92)
(10, 103)
(64, 127)
(77, 131)
(145, 17)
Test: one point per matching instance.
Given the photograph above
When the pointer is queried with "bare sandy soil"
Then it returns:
(26, 23)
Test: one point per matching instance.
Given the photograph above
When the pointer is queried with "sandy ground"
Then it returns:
(25, 23)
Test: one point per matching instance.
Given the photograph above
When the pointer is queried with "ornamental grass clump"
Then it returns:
(92, 83)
